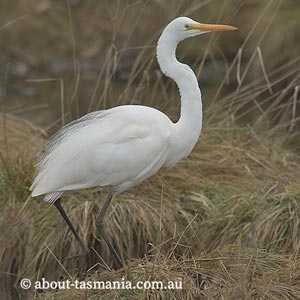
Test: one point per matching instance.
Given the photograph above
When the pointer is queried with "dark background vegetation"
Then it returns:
(93, 48)
(227, 219)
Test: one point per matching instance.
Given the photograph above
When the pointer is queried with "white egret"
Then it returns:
(122, 146)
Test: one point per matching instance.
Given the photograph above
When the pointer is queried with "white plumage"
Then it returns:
(110, 151)
(122, 146)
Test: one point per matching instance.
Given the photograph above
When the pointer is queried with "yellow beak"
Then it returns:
(211, 27)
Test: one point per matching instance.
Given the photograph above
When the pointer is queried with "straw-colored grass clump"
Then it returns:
(229, 274)
(206, 221)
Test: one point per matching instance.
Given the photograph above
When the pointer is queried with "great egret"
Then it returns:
(122, 146)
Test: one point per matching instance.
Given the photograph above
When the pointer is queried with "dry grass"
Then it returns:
(237, 188)
(232, 273)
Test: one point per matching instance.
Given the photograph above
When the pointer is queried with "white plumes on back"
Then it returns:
(57, 150)
(105, 149)
(64, 133)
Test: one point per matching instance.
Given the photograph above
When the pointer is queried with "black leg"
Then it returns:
(84, 248)
(100, 225)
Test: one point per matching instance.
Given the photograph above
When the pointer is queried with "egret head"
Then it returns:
(182, 28)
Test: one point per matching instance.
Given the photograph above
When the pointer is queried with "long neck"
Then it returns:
(189, 124)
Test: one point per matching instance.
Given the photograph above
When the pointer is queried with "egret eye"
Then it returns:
(186, 26)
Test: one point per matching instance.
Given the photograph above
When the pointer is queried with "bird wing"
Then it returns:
(118, 147)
